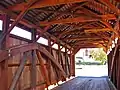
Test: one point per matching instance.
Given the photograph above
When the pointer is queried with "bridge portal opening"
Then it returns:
(91, 62)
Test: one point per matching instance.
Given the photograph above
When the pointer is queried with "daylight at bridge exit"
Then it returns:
(59, 44)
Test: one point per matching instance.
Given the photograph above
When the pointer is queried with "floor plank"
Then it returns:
(86, 83)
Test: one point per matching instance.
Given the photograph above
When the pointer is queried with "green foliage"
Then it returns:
(99, 55)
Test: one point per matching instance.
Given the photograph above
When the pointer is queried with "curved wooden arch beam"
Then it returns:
(44, 3)
(28, 47)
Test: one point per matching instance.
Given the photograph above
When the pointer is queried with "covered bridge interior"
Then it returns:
(26, 64)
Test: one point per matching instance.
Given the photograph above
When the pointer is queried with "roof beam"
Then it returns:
(92, 45)
(97, 30)
(30, 25)
(18, 18)
(77, 48)
(111, 6)
(92, 42)
(79, 19)
(113, 36)
(83, 38)
(109, 26)
(67, 31)
(78, 31)
(44, 3)
(85, 41)
(89, 46)
(63, 12)
(86, 11)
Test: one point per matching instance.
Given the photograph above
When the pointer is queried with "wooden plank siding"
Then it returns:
(115, 74)
(24, 81)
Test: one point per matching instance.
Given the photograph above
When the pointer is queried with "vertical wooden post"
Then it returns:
(111, 75)
(49, 62)
(72, 60)
(33, 63)
(60, 59)
(109, 56)
(59, 53)
(118, 83)
(67, 62)
(66, 70)
(59, 56)
(4, 64)
(118, 74)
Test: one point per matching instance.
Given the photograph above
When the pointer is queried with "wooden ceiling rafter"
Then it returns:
(99, 8)
(79, 19)
(104, 38)
(82, 38)
(30, 25)
(89, 41)
(94, 30)
(81, 26)
(77, 48)
(86, 11)
(101, 45)
(60, 13)
(100, 24)
(44, 3)
(111, 6)
(109, 26)
(113, 36)
(101, 19)
(54, 15)
(17, 19)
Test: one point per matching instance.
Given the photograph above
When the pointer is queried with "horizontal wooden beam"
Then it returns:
(77, 27)
(85, 42)
(91, 46)
(79, 19)
(44, 3)
(97, 30)
(88, 46)
(17, 65)
(83, 38)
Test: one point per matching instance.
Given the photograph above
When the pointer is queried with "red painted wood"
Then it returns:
(4, 64)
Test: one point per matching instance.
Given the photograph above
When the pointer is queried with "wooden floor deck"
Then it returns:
(87, 83)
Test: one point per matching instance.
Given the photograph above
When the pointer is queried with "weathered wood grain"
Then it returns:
(86, 83)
